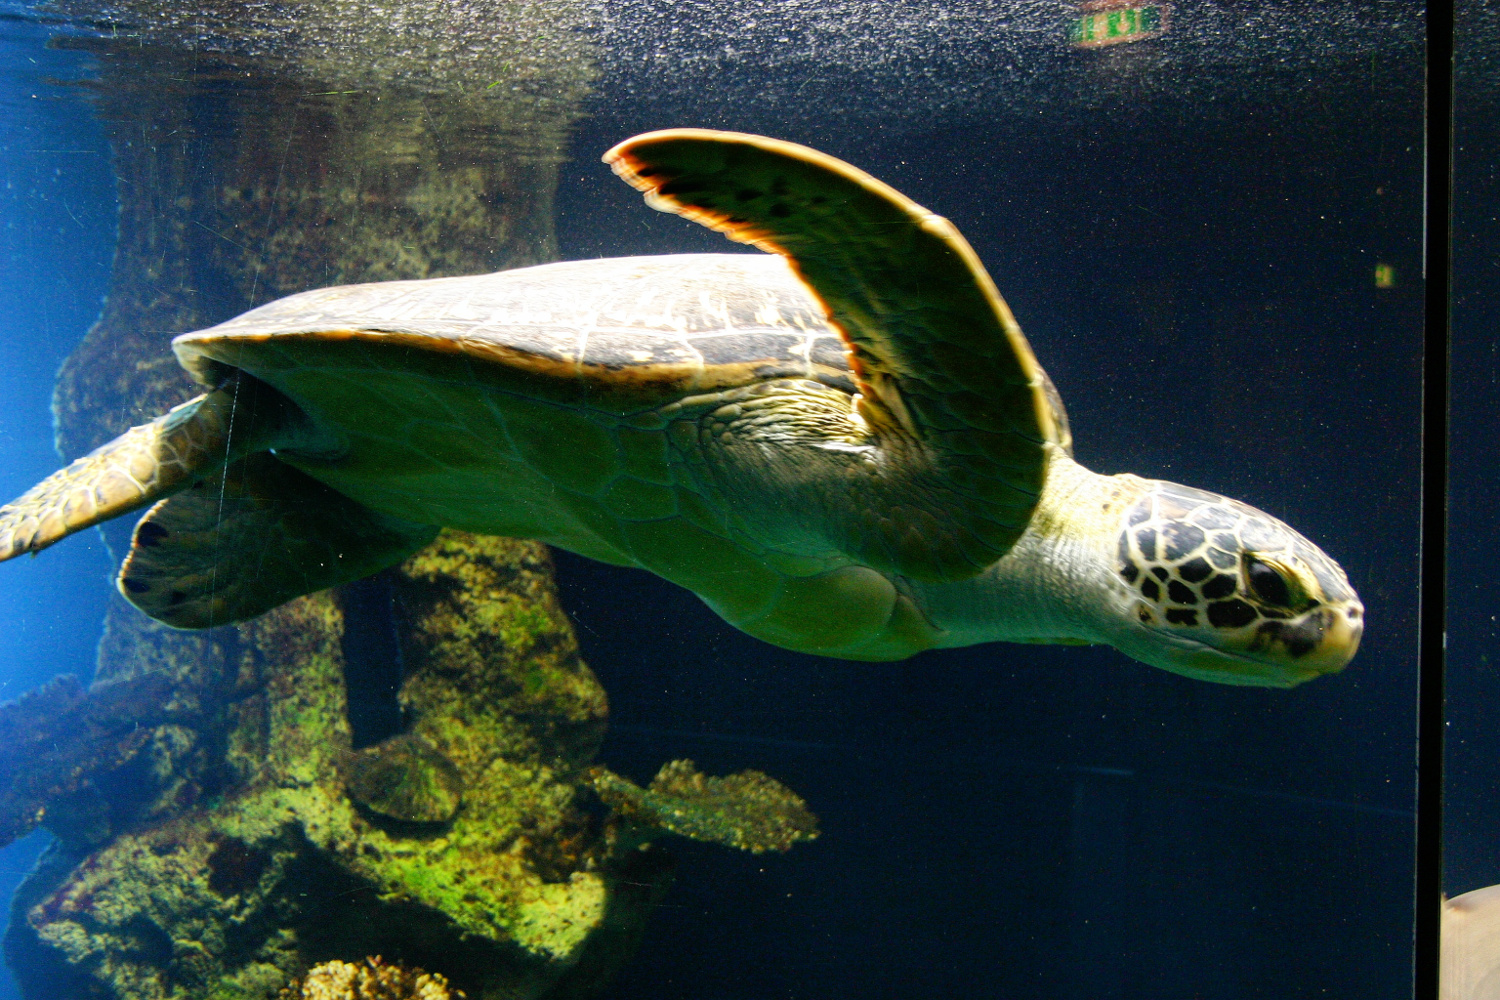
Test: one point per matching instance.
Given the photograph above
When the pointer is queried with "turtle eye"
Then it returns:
(1275, 585)
(1266, 583)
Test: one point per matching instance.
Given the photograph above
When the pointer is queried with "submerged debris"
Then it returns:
(373, 979)
(748, 810)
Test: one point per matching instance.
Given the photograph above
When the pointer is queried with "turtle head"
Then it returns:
(1216, 590)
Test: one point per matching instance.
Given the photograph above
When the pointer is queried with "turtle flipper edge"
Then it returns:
(938, 357)
(261, 533)
(154, 460)
(141, 466)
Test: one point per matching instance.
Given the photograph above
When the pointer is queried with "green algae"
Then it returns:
(239, 891)
(404, 778)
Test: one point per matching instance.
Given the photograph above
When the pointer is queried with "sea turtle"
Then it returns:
(844, 446)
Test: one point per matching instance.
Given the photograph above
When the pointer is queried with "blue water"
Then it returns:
(57, 221)
(1195, 268)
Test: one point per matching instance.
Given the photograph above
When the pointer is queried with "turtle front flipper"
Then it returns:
(938, 359)
(144, 464)
(252, 538)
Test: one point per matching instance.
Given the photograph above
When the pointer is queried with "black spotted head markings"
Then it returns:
(1204, 562)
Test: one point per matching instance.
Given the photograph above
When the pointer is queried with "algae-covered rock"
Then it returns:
(56, 739)
(281, 868)
(749, 810)
(404, 778)
(399, 767)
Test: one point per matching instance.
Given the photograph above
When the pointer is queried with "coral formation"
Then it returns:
(372, 979)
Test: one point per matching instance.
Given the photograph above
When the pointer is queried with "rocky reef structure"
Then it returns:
(402, 766)
(55, 740)
(267, 846)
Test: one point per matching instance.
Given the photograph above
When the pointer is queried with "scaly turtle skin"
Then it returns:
(844, 447)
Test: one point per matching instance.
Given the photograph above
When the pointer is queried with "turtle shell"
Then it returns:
(622, 334)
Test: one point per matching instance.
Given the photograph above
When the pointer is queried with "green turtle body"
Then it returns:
(844, 446)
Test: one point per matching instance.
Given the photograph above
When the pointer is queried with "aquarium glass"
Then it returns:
(1470, 816)
(547, 771)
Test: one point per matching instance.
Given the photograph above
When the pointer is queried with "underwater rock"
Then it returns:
(749, 810)
(55, 739)
(372, 979)
(404, 778)
(520, 893)
(279, 869)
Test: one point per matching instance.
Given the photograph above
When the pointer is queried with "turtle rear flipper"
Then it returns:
(937, 356)
(151, 461)
(262, 533)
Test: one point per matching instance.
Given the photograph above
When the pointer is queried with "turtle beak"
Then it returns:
(1322, 642)
(1343, 626)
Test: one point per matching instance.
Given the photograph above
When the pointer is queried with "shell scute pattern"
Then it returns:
(1195, 570)
(667, 335)
(612, 350)
(648, 327)
(1258, 534)
(541, 343)
(730, 348)
(1180, 539)
(1213, 518)
(1221, 586)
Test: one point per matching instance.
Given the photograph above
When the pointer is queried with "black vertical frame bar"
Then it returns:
(1435, 392)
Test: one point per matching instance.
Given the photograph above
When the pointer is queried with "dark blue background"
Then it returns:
(1472, 807)
(1051, 822)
